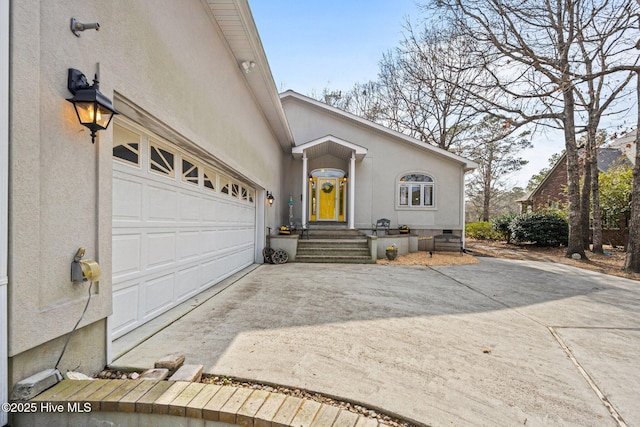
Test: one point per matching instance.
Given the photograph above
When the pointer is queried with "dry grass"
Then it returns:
(611, 263)
(438, 259)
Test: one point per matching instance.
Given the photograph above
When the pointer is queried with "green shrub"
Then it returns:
(540, 228)
(501, 225)
(480, 231)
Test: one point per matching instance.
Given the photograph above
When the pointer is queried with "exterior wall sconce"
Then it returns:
(94, 110)
(270, 198)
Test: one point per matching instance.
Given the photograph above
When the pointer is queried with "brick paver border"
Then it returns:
(234, 405)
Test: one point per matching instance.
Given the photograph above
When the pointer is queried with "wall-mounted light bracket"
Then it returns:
(270, 198)
(77, 27)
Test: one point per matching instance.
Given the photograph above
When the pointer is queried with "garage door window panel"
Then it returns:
(126, 146)
(162, 161)
(224, 185)
(189, 172)
(209, 180)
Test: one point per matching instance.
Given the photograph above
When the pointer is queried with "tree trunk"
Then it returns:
(585, 196)
(573, 173)
(486, 204)
(595, 210)
(632, 260)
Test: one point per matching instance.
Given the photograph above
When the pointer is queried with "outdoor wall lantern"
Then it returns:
(270, 198)
(94, 110)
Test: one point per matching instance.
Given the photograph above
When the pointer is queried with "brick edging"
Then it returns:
(234, 405)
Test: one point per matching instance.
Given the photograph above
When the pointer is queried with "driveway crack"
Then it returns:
(605, 401)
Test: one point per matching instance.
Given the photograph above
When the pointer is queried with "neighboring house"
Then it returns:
(172, 197)
(551, 193)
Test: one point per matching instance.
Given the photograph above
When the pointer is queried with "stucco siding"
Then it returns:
(165, 57)
(387, 159)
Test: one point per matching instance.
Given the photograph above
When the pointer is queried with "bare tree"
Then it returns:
(362, 100)
(421, 87)
(632, 260)
(606, 42)
(533, 56)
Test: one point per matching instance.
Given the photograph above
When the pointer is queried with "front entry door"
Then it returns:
(327, 199)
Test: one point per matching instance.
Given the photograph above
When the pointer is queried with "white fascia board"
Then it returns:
(359, 151)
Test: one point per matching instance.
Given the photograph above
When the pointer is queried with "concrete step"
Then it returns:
(353, 243)
(328, 231)
(334, 251)
(333, 234)
(350, 248)
(335, 259)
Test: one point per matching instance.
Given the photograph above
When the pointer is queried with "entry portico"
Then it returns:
(326, 187)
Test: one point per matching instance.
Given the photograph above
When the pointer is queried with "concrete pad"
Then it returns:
(464, 345)
(605, 355)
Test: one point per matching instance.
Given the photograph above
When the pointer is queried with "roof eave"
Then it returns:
(239, 30)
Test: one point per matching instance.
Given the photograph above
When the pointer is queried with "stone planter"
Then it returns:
(391, 254)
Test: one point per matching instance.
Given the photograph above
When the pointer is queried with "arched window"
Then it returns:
(416, 190)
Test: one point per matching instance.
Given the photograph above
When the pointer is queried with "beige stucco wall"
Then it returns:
(165, 57)
(377, 175)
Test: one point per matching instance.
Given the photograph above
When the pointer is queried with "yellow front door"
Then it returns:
(327, 194)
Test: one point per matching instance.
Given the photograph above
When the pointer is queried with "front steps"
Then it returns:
(334, 245)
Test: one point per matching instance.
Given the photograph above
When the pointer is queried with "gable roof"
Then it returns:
(329, 144)
(529, 196)
(627, 144)
(236, 24)
(610, 157)
(468, 165)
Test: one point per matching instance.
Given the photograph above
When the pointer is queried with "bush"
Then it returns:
(540, 228)
(480, 231)
(501, 225)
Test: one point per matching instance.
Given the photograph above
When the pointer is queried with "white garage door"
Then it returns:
(179, 227)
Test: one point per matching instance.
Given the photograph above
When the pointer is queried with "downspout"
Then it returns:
(305, 186)
(4, 206)
(464, 208)
(352, 192)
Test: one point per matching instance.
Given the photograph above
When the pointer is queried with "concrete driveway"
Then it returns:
(500, 343)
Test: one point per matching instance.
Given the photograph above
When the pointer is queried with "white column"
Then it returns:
(463, 218)
(4, 213)
(305, 186)
(352, 191)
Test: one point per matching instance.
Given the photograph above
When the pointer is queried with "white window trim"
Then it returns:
(408, 184)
